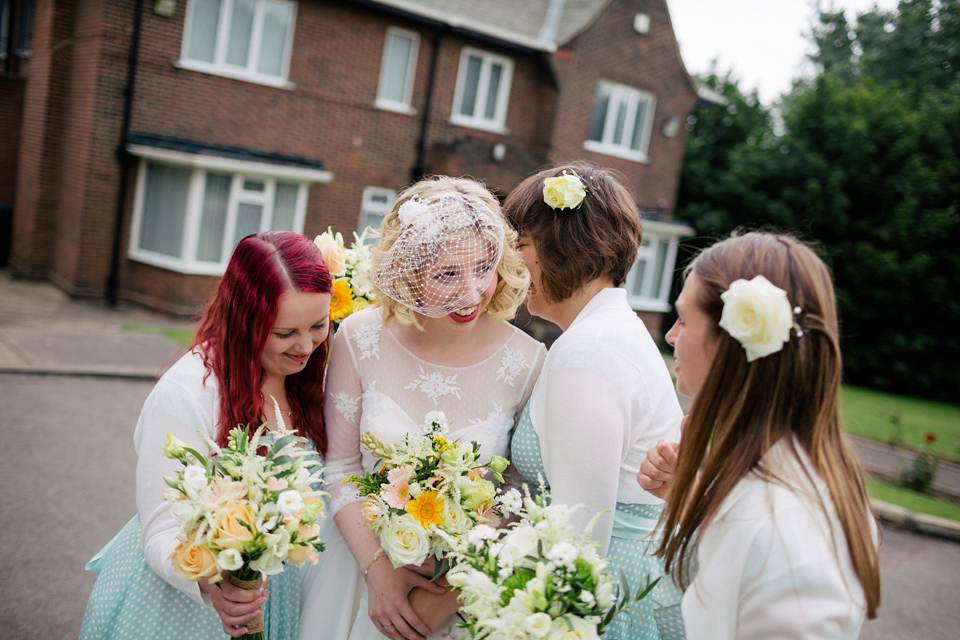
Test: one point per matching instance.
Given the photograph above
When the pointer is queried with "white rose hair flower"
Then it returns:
(564, 192)
(757, 314)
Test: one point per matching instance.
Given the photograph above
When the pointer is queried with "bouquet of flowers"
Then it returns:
(537, 579)
(242, 511)
(429, 491)
(350, 269)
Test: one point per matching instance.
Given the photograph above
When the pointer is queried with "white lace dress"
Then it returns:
(375, 384)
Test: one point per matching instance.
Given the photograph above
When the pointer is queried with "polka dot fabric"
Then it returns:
(130, 602)
(657, 617)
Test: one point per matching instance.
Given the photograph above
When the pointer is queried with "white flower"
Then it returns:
(267, 518)
(480, 533)
(587, 598)
(436, 423)
(195, 477)
(562, 553)
(605, 594)
(757, 314)
(290, 503)
(229, 560)
(277, 548)
(563, 192)
(405, 541)
(537, 625)
(510, 502)
(582, 630)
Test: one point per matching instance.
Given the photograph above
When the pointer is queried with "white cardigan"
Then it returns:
(603, 398)
(772, 564)
(183, 404)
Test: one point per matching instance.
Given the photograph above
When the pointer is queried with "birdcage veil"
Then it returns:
(445, 256)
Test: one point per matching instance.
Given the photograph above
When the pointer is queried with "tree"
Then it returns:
(867, 165)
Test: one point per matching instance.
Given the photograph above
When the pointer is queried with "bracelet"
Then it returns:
(376, 556)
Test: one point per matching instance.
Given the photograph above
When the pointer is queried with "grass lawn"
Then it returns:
(891, 418)
(182, 337)
(911, 500)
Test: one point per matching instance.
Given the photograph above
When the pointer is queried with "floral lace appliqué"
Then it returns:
(367, 337)
(435, 385)
(511, 365)
(498, 423)
(345, 405)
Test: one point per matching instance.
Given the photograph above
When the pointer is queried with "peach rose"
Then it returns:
(229, 533)
(194, 562)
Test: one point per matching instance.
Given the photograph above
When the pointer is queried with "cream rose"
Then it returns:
(193, 562)
(582, 630)
(564, 192)
(757, 314)
(479, 493)
(405, 541)
(334, 255)
(537, 624)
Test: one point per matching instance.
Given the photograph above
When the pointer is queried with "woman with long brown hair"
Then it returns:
(769, 524)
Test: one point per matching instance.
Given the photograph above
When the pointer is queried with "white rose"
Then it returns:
(290, 503)
(757, 314)
(563, 192)
(195, 477)
(334, 255)
(537, 625)
(605, 595)
(229, 560)
(582, 630)
(455, 520)
(405, 541)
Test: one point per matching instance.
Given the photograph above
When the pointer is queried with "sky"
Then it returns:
(761, 41)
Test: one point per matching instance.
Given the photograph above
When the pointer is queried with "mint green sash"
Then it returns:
(631, 527)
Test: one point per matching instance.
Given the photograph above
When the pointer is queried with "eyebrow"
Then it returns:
(294, 328)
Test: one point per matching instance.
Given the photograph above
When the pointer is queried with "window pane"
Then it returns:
(639, 270)
(619, 122)
(276, 25)
(284, 206)
(204, 16)
(599, 113)
(639, 125)
(393, 82)
(659, 262)
(248, 221)
(496, 71)
(213, 217)
(241, 28)
(468, 101)
(164, 209)
(254, 185)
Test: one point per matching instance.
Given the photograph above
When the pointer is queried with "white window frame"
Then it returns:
(369, 206)
(654, 234)
(240, 170)
(620, 94)
(497, 124)
(382, 102)
(219, 65)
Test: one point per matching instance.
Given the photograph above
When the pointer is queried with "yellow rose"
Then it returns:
(193, 562)
(477, 494)
(334, 255)
(563, 192)
(300, 554)
(229, 533)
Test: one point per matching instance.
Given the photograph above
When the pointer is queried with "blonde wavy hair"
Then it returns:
(513, 278)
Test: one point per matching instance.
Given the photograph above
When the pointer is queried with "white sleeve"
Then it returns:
(342, 410)
(583, 429)
(170, 408)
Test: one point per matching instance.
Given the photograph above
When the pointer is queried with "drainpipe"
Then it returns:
(124, 158)
(419, 167)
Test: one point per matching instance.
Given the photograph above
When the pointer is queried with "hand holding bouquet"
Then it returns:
(429, 485)
(244, 512)
(538, 579)
(350, 270)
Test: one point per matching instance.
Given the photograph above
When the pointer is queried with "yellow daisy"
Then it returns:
(427, 508)
(341, 301)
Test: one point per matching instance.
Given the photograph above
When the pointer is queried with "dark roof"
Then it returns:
(208, 149)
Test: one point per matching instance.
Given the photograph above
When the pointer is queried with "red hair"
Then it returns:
(232, 333)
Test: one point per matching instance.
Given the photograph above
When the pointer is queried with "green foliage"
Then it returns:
(865, 166)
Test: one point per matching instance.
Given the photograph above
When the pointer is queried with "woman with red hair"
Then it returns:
(265, 333)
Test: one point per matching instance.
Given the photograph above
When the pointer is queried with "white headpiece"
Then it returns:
(445, 256)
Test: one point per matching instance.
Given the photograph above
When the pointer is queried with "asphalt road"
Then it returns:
(66, 486)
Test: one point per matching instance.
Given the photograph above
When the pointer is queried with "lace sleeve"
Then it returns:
(342, 411)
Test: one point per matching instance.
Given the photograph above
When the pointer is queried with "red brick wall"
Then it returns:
(649, 62)
(11, 111)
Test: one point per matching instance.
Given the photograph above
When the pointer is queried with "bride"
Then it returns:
(448, 277)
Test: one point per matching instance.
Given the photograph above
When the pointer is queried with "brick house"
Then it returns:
(143, 139)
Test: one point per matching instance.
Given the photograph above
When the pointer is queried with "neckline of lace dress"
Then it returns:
(492, 355)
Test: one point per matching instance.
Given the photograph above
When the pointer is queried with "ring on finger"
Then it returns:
(387, 627)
